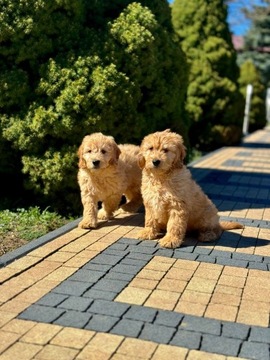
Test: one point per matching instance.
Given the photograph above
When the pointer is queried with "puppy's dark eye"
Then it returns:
(151, 148)
(103, 151)
(165, 150)
(89, 151)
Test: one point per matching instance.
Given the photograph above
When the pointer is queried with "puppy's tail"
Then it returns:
(230, 225)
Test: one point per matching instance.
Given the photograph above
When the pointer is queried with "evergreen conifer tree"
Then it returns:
(257, 40)
(250, 75)
(214, 102)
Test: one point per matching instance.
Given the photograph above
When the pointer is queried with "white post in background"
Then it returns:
(247, 107)
(267, 103)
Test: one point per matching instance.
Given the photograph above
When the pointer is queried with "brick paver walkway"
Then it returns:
(103, 294)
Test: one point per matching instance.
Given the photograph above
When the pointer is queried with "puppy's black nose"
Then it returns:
(96, 163)
(156, 162)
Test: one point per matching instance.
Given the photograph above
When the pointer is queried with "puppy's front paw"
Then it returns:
(88, 224)
(147, 234)
(169, 241)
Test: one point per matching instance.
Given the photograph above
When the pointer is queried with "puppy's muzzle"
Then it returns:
(156, 162)
(96, 164)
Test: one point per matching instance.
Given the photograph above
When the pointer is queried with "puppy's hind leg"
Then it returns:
(134, 201)
(109, 206)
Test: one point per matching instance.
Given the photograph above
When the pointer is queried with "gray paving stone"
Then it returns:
(260, 334)
(235, 331)
(73, 319)
(127, 327)
(187, 339)
(137, 312)
(86, 275)
(164, 252)
(106, 259)
(203, 325)
(221, 254)
(157, 333)
(127, 269)
(119, 276)
(76, 303)
(117, 246)
(202, 251)
(41, 313)
(186, 256)
(97, 267)
(110, 285)
(230, 262)
(205, 258)
(142, 249)
(139, 256)
(101, 323)
(184, 248)
(248, 257)
(135, 262)
(72, 288)
(168, 318)
(253, 350)
(105, 307)
(116, 252)
(129, 241)
(99, 294)
(257, 266)
(220, 345)
(52, 299)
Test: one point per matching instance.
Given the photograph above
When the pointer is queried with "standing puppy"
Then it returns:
(174, 202)
(106, 172)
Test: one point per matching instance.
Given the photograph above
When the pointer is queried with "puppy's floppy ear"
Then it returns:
(116, 154)
(181, 152)
(82, 162)
(141, 161)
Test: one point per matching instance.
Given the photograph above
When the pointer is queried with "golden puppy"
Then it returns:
(106, 172)
(173, 201)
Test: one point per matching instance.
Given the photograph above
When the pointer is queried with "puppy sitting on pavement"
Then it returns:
(106, 173)
(174, 202)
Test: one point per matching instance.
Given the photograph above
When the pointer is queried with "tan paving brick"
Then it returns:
(144, 283)
(235, 271)
(228, 290)
(196, 297)
(165, 352)
(7, 339)
(158, 265)
(7, 273)
(207, 273)
(190, 308)
(202, 355)
(6, 316)
(219, 298)
(253, 317)
(201, 285)
(18, 326)
(172, 284)
(230, 280)
(21, 351)
(61, 256)
(221, 312)
(61, 273)
(75, 338)
(186, 264)
(24, 262)
(179, 274)
(162, 299)
(137, 348)
(151, 274)
(133, 295)
(41, 333)
(56, 352)
(100, 347)
(14, 306)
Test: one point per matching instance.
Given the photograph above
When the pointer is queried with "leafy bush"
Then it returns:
(69, 68)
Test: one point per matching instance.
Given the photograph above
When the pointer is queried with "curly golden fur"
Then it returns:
(174, 202)
(107, 171)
